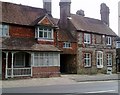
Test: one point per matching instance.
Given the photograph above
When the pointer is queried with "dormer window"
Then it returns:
(4, 30)
(109, 41)
(44, 33)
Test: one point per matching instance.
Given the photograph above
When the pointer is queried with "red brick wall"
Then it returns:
(46, 42)
(52, 71)
(71, 50)
(21, 31)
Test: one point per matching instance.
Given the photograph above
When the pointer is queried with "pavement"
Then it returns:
(63, 80)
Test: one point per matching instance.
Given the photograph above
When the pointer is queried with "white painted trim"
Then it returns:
(101, 64)
(47, 18)
(6, 65)
(109, 43)
(12, 65)
(32, 59)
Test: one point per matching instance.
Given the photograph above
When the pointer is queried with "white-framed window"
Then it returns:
(4, 30)
(46, 59)
(44, 33)
(99, 59)
(87, 38)
(118, 44)
(109, 59)
(109, 41)
(87, 59)
(66, 45)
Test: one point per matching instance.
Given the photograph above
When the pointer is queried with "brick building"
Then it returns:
(118, 53)
(35, 44)
(95, 41)
(28, 37)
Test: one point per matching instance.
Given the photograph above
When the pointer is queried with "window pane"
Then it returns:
(49, 35)
(40, 34)
(45, 34)
(49, 30)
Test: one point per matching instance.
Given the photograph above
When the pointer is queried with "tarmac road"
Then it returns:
(77, 88)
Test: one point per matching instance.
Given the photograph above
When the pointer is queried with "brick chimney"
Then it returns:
(64, 12)
(104, 11)
(47, 6)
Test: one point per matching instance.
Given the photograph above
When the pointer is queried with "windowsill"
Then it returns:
(99, 67)
(87, 66)
(87, 43)
(67, 47)
(4, 36)
(109, 65)
(43, 39)
(109, 45)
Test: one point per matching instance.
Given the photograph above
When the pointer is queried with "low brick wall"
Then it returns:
(43, 72)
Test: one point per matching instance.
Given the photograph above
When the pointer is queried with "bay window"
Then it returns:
(46, 59)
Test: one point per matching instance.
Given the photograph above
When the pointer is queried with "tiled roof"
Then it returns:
(29, 44)
(82, 23)
(117, 38)
(65, 36)
(20, 14)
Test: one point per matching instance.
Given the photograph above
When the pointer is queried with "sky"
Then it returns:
(90, 7)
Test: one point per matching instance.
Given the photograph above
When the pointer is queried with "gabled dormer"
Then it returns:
(44, 30)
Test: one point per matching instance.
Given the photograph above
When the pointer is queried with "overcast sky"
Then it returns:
(90, 7)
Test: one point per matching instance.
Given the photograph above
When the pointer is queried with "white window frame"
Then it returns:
(109, 59)
(87, 38)
(117, 44)
(44, 31)
(109, 40)
(66, 45)
(99, 59)
(87, 58)
(46, 59)
(4, 30)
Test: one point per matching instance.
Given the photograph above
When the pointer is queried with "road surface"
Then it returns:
(81, 87)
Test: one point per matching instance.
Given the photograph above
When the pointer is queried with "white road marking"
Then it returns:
(101, 91)
(96, 82)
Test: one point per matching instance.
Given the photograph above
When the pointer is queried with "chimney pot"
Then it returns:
(80, 12)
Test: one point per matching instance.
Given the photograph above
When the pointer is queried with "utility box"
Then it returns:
(109, 70)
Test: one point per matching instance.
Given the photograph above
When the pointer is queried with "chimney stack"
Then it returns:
(64, 12)
(80, 12)
(104, 11)
(47, 6)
